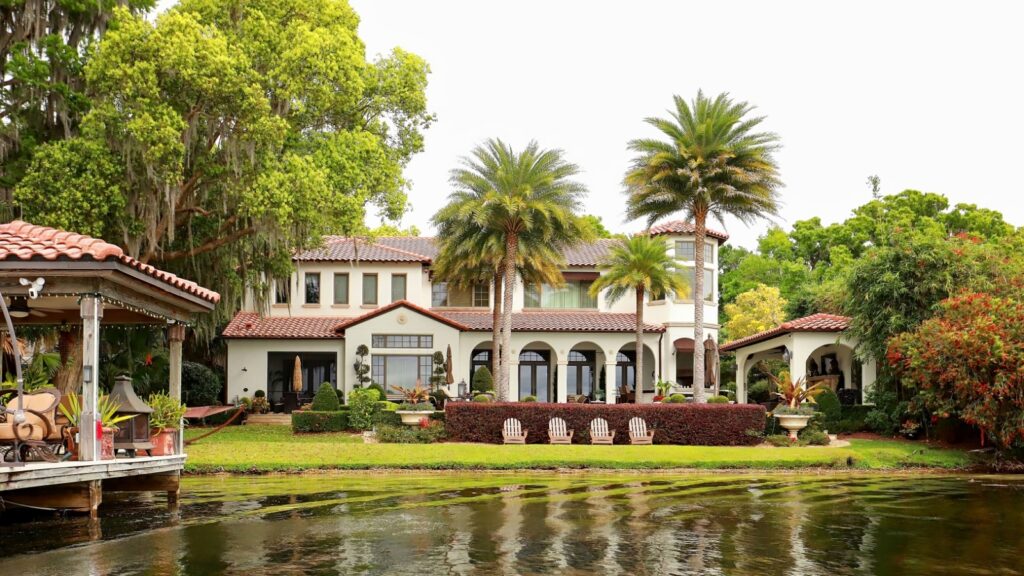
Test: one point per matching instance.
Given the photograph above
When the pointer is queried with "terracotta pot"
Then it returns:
(107, 445)
(163, 442)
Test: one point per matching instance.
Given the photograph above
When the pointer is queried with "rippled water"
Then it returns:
(541, 524)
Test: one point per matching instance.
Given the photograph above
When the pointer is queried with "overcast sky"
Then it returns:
(927, 95)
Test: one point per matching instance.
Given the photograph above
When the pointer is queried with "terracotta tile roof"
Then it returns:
(341, 249)
(250, 325)
(549, 321)
(423, 245)
(813, 323)
(589, 254)
(23, 241)
(680, 227)
(403, 304)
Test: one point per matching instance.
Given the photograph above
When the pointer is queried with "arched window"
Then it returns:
(480, 359)
(580, 375)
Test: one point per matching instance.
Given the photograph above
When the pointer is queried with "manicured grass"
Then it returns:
(275, 448)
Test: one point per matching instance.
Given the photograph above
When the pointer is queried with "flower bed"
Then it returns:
(696, 424)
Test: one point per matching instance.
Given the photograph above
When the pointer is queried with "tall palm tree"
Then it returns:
(710, 161)
(638, 265)
(527, 201)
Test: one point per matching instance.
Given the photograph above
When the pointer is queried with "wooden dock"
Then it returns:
(79, 486)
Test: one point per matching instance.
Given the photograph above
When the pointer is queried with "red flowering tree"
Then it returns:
(968, 361)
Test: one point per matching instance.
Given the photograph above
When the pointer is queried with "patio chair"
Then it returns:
(599, 433)
(638, 433)
(512, 432)
(557, 432)
(38, 434)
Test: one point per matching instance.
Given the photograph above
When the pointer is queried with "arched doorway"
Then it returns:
(625, 375)
(684, 362)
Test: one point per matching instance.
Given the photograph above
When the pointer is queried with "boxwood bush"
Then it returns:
(697, 424)
(320, 421)
(326, 399)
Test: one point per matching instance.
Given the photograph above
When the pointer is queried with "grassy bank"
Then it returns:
(275, 449)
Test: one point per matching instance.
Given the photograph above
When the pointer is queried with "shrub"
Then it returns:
(852, 419)
(482, 380)
(529, 399)
(386, 418)
(386, 405)
(676, 399)
(362, 408)
(432, 432)
(780, 440)
(481, 398)
(717, 400)
(417, 407)
(849, 396)
(758, 393)
(200, 386)
(810, 437)
(699, 424)
(259, 405)
(326, 399)
(259, 394)
(320, 421)
(830, 409)
(382, 393)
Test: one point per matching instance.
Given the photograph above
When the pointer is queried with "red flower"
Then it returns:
(149, 359)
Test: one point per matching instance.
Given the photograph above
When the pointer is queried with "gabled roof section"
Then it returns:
(681, 227)
(402, 304)
(251, 325)
(553, 321)
(813, 323)
(27, 242)
(343, 249)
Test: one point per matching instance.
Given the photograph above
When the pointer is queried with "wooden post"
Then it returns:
(91, 312)
(175, 336)
(95, 498)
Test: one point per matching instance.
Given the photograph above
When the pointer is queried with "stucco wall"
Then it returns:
(247, 361)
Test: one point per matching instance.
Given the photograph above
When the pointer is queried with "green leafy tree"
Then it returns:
(755, 311)
(219, 138)
(709, 162)
(597, 227)
(637, 266)
(512, 196)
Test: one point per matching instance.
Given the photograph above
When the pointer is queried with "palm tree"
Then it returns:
(711, 161)
(527, 202)
(638, 265)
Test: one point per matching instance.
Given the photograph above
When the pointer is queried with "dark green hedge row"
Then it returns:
(852, 418)
(316, 421)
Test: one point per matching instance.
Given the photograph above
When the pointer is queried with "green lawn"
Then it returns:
(275, 448)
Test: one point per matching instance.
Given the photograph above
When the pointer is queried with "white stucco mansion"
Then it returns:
(565, 343)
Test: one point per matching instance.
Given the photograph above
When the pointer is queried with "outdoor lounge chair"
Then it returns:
(38, 434)
(512, 432)
(599, 433)
(557, 432)
(638, 433)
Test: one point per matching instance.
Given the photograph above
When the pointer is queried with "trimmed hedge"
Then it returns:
(696, 424)
(852, 418)
(318, 421)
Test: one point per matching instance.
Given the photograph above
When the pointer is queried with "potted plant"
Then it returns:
(662, 387)
(106, 410)
(164, 422)
(415, 405)
(793, 411)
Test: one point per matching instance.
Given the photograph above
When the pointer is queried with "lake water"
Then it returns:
(563, 524)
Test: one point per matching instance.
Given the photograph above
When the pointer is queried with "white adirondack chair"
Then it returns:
(599, 433)
(638, 433)
(512, 432)
(557, 433)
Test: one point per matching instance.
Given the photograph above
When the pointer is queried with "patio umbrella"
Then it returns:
(711, 364)
(449, 378)
(297, 376)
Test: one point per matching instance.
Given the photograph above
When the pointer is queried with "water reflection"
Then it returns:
(543, 524)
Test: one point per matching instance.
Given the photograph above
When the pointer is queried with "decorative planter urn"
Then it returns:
(413, 417)
(163, 442)
(793, 423)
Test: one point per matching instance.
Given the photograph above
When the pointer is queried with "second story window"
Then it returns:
(398, 287)
(481, 295)
(686, 251)
(574, 294)
(690, 276)
(370, 289)
(312, 287)
(341, 288)
(282, 290)
(439, 294)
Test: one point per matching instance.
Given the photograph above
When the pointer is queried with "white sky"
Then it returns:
(925, 94)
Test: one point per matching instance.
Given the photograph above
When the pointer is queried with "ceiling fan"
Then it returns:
(19, 309)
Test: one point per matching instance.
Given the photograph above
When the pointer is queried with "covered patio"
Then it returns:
(814, 347)
(54, 278)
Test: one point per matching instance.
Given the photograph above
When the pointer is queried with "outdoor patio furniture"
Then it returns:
(558, 432)
(38, 434)
(638, 433)
(512, 432)
(599, 433)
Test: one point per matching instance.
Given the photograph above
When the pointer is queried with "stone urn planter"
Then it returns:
(413, 417)
(793, 423)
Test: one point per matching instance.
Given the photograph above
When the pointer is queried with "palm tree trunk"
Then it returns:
(509, 281)
(639, 372)
(496, 317)
(700, 236)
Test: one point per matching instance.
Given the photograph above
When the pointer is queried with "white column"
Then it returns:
(91, 312)
(513, 381)
(741, 378)
(869, 373)
(175, 336)
(610, 385)
(562, 392)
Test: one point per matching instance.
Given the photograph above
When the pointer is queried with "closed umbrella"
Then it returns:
(297, 376)
(449, 378)
(711, 364)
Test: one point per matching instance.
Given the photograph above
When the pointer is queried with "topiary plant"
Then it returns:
(362, 368)
(830, 408)
(259, 394)
(676, 399)
(718, 400)
(482, 380)
(529, 399)
(481, 398)
(326, 399)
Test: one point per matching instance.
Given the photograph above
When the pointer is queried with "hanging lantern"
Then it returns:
(133, 435)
